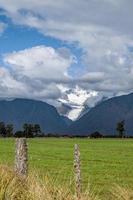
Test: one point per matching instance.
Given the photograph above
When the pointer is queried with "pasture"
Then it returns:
(104, 162)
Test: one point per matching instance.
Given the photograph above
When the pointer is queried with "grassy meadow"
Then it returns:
(104, 162)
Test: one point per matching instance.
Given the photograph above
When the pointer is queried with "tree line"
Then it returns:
(29, 130)
(120, 130)
(34, 130)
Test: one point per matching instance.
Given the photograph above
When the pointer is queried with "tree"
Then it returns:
(25, 129)
(121, 128)
(37, 129)
(9, 130)
(19, 134)
(2, 129)
(96, 135)
(28, 130)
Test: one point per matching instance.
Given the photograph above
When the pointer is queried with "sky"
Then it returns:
(66, 52)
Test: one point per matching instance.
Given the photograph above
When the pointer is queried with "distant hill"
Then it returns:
(104, 117)
(20, 111)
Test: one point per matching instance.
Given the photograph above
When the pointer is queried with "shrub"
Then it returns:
(96, 135)
(19, 134)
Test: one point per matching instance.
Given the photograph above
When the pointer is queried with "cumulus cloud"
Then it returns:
(34, 72)
(43, 63)
(9, 86)
(102, 29)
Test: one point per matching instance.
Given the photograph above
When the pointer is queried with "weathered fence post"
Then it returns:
(77, 171)
(21, 157)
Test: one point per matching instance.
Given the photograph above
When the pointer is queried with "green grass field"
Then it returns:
(104, 162)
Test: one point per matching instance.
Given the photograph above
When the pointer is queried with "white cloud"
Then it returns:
(43, 63)
(9, 86)
(98, 27)
(35, 72)
(102, 29)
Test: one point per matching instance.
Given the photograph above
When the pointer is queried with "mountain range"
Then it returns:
(20, 111)
(103, 117)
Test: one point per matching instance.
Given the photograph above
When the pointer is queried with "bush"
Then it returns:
(96, 135)
(19, 134)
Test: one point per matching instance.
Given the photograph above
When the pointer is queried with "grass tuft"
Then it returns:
(13, 187)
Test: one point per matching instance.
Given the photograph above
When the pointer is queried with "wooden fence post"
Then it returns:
(21, 157)
(77, 171)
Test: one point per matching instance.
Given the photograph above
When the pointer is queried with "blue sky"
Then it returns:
(19, 37)
(75, 52)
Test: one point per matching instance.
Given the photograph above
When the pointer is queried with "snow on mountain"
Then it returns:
(77, 99)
